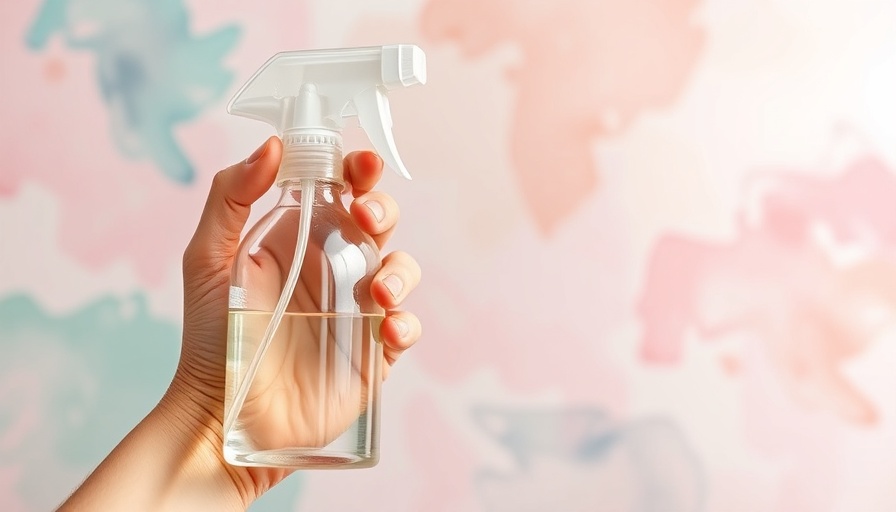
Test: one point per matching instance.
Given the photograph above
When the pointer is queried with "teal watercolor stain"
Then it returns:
(73, 385)
(152, 72)
(281, 497)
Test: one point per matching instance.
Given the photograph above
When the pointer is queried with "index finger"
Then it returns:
(362, 170)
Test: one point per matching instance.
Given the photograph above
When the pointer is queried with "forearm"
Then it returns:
(169, 462)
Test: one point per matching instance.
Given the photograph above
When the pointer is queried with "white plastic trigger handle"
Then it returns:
(372, 107)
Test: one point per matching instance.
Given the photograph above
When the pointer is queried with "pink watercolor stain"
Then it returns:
(587, 70)
(777, 283)
(537, 316)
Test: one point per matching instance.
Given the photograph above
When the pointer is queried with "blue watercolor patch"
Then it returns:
(152, 72)
(581, 459)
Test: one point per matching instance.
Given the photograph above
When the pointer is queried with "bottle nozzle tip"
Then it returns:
(405, 67)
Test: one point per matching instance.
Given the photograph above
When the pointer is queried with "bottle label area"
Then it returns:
(237, 298)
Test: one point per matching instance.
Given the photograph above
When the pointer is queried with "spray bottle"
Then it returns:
(304, 366)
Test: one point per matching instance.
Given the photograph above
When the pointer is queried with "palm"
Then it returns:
(313, 380)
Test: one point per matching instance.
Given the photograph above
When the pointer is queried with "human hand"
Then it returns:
(173, 459)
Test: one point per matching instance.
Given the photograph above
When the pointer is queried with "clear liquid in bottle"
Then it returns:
(314, 401)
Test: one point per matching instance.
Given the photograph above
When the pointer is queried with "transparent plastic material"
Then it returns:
(313, 401)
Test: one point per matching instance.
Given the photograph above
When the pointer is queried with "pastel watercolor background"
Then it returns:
(658, 240)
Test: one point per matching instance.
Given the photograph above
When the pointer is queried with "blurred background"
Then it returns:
(658, 240)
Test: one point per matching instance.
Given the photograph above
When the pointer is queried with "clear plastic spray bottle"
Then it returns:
(304, 364)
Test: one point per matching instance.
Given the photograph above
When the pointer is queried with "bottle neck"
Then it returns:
(311, 153)
(326, 192)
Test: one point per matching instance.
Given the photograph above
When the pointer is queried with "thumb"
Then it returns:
(227, 208)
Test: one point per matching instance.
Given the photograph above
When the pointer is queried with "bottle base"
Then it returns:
(300, 459)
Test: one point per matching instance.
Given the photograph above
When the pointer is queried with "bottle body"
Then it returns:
(312, 399)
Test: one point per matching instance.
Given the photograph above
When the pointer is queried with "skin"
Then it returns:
(172, 460)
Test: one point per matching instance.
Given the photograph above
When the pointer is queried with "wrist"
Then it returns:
(195, 421)
(171, 461)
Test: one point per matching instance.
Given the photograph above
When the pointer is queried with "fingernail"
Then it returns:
(376, 209)
(401, 327)
(394, 284)
(258, 153)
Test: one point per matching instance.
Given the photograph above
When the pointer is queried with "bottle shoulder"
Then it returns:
(334, 240)
(281, 224)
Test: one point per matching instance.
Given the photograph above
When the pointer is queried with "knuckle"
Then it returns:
(403, 259)
(400, 256)
(191, 257)
(189, 254)
(392, 206)
(218, 180)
